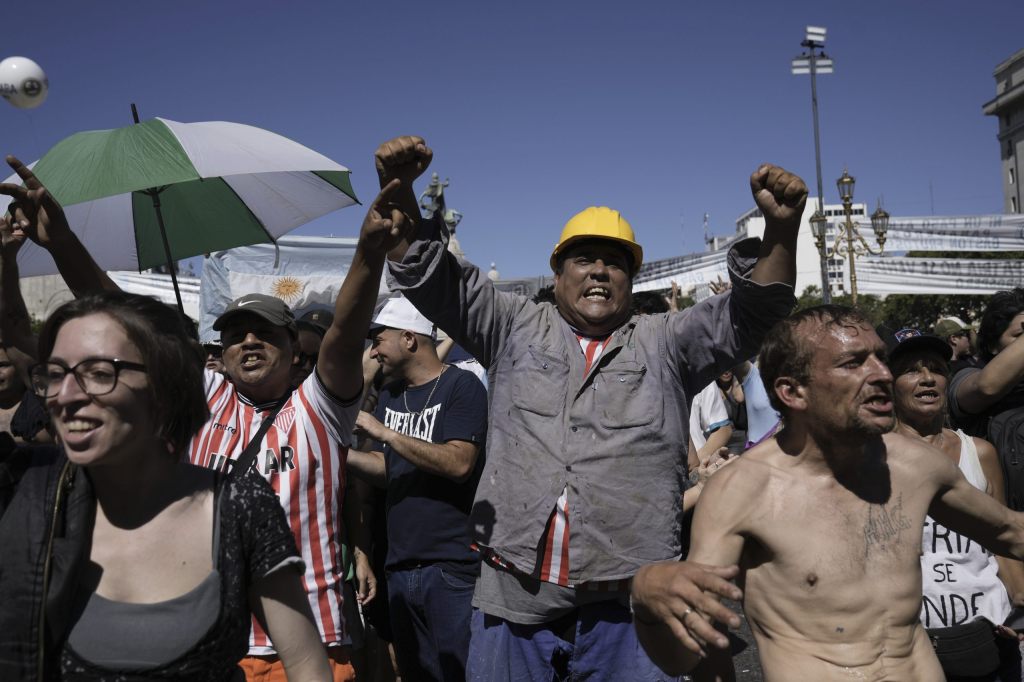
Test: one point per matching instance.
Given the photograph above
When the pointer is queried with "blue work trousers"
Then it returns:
(604, 647)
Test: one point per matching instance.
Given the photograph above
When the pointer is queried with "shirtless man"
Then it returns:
(824, 520)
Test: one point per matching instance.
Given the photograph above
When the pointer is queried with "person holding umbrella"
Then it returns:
(302, 436)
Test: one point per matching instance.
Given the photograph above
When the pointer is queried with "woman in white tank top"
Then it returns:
(961, 581)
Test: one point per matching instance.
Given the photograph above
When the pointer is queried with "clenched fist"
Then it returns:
(404, 158)
(779, 194)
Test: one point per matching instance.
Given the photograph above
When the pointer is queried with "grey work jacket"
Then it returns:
(616, 436)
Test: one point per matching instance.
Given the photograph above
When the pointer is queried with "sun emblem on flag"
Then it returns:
(286, 288)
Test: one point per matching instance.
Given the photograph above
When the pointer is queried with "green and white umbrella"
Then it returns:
(211, 186)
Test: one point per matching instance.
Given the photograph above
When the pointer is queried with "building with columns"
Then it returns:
(1008, 108)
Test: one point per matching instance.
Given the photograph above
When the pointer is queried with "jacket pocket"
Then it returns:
(628, 397)
(539, 382)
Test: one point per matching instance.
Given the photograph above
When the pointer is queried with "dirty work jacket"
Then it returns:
(616, 436)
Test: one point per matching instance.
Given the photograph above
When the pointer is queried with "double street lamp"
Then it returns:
(848, 242)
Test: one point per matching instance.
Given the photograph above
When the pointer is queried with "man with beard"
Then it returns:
(825, 520)
(431, 422)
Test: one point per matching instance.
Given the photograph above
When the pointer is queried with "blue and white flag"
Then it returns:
(304, 272)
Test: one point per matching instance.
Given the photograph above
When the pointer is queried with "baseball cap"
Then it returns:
(399, 313)
(317, 320)
(909, 339)
(270, 308)
(947, 326)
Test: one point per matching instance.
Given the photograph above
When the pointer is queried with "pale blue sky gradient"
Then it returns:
(536, 110)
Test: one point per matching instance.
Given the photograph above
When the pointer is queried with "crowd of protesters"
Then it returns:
(565, 487)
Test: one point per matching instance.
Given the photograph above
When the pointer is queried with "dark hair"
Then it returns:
(936, 363)
(787, 352)
(157, 331)
(649, 303)
(545, 294)
(1000, 311)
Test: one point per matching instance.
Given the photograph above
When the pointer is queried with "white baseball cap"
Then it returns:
(399, 313)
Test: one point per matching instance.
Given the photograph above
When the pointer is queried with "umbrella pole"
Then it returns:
(167, 247)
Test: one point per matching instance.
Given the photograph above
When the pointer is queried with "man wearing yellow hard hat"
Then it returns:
(586, 451)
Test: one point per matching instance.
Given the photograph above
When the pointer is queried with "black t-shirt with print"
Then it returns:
(428, 514)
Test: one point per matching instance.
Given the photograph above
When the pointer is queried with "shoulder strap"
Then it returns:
(245, 459)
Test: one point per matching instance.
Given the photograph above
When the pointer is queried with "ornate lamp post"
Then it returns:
(849, 243)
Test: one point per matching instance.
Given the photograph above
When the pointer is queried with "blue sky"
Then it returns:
(537, 110)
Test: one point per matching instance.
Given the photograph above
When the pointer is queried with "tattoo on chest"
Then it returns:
(884, 524)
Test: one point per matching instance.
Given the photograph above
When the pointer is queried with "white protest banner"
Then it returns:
(954, 591)
(950, 233)
(900, 275)
(692, 270)
(159, 287)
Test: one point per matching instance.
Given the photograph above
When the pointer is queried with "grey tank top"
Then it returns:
(125, 636)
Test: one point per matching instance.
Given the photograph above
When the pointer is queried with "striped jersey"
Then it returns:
(303, 456)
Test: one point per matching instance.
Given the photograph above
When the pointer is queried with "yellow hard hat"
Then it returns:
(599, 222)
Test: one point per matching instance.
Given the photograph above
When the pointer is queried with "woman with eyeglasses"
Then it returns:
(118, 559)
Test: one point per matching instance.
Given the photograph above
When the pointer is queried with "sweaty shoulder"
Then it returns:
(917, 460)
(735, 492)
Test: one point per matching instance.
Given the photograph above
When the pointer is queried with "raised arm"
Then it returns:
(15, 324)
(450, 292)
(980, 390)
(781, 196)
(404, 159)
(340, 362)
(35, 212)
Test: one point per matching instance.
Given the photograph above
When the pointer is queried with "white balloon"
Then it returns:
(23, 82)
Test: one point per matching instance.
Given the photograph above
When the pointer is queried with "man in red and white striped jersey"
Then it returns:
(304, 451)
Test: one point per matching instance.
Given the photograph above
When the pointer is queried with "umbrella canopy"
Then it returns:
(217, 185)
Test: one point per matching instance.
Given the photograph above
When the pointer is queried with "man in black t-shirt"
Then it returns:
(430, 423)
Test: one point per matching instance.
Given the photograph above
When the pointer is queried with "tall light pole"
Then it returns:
(849, 242)
(815, 62)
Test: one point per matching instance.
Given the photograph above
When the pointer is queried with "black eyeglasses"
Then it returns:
(96, 376)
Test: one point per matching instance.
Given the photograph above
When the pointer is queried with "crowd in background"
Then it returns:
(459, 484)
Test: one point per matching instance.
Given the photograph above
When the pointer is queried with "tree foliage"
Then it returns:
(904, 310)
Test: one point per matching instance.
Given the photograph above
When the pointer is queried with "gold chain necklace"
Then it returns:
(405, 394)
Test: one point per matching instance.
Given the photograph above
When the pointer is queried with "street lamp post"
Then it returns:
(849, 243)
(813, 63)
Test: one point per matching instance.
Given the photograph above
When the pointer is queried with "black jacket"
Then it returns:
(46, 514)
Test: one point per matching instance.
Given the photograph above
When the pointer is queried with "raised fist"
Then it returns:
(779, 194)
(404, 158)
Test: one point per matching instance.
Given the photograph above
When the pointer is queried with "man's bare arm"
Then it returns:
(340, 362)
(717, 440)
(674, 602)
(454, 459)
(368, 466)
(403, 158)
(1011, 571)
(15, 323)
(983, 388)
(965, 509)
